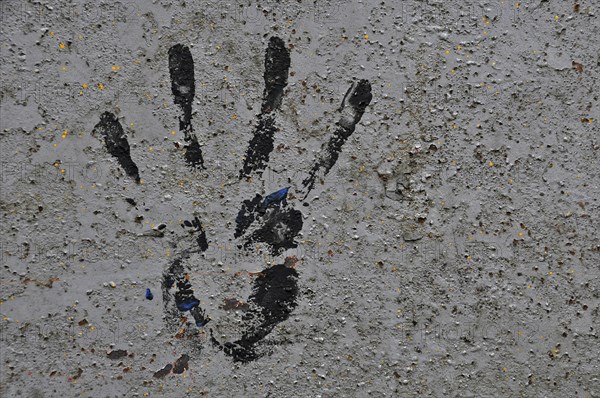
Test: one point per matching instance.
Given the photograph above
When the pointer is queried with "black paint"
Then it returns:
(247, 215)
(176, 276)
(181, 364)
(117, 354)
(199, 231)
(272, 301)
(277, 65)
(116, 143)
(260, 147)
(278, 229)
(159, 374)
(358, 98)
(277, 225)
(260, 220)
(183, 86)
(201, 241)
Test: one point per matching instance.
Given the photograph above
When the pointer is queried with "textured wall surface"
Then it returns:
(452, 250)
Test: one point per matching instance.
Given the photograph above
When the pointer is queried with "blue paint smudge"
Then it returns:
(149, 294)
(276, 197)
(188, 304)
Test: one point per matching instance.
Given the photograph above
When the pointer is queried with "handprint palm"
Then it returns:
(268, 220)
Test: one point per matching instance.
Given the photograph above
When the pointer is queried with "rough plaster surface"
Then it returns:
(452, 251)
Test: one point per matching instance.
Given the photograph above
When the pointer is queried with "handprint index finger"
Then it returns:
(183, 86)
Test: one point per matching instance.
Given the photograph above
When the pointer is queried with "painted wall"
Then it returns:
(299, 199)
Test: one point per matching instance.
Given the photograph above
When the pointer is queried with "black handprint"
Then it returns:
(272, 301)
(269, 220)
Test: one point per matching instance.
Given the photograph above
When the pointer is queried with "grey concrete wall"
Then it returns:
(452, 251)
